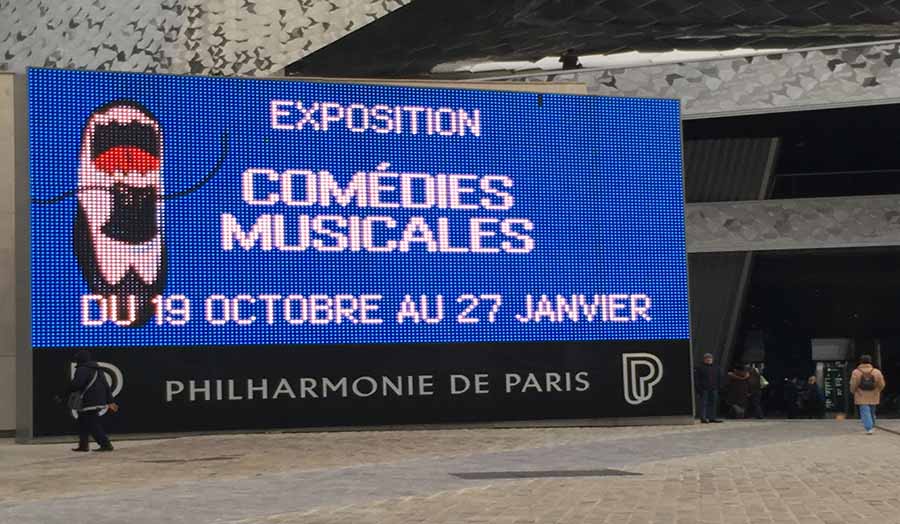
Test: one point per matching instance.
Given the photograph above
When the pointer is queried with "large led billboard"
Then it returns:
(192, 213)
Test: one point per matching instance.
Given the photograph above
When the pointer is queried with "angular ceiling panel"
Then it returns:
(425, 33)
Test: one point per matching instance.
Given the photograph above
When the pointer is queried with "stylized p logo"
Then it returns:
(640, 372)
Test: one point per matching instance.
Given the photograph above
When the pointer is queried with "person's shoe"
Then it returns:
(107, 447)
(704, 421)
(716, 421)
(81, 448)
(870, 431)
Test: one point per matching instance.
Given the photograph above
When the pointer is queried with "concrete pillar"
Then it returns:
(7, 250)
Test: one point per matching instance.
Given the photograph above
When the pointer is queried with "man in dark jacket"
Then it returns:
(90, 382)
(708, 381)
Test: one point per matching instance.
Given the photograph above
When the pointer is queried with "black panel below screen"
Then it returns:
(556, 381)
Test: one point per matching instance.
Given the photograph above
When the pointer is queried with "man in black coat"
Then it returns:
(708, 382)
(90, 382)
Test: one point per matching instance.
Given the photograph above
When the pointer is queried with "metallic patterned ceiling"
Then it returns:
(415, 38)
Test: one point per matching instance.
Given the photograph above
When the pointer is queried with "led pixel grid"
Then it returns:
(171, 210)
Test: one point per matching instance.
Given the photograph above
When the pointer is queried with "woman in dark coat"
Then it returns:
(90, 382)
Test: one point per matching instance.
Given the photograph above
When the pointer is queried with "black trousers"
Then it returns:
(89, 426)
(756, 405)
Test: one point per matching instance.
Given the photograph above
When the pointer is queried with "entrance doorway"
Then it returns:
(797, 296)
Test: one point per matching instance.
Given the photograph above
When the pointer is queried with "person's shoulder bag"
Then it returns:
(76, 398)
(867, 381)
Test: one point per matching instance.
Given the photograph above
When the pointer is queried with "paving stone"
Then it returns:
(740, 472)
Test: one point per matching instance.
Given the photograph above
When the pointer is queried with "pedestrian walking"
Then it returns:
(866, 384)
(757, 383)
(708, 381)
(791, 394)
(813, 399)
(89, 397)
(738, 391)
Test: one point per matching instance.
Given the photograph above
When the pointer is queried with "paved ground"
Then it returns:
(737, 472)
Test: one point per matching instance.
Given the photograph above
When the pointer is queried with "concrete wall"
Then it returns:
(806, 223)
(217, 37)
(7, 251)
(863, 74)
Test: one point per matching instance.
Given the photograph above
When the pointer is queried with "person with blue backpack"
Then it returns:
(866, 384)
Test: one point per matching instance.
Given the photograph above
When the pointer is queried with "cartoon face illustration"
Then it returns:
(118, 236)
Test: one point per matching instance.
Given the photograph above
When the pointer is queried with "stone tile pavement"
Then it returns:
(737, 472)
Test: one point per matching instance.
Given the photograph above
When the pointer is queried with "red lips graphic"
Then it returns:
(127, 159)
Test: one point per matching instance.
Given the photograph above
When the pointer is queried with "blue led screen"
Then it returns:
(176, 211)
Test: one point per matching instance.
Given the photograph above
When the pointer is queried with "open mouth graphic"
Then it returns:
(124, 140)
(124, 145)
(125, 148)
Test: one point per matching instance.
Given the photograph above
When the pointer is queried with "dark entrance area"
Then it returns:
(890, 365)
(799, 297)
(812, 313)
